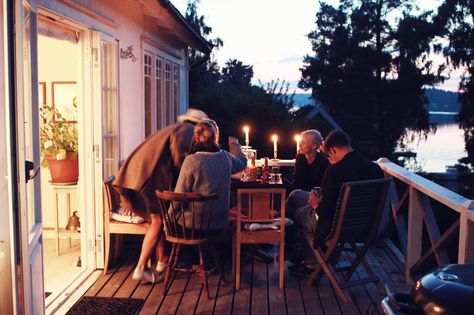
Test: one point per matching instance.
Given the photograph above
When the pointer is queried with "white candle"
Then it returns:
(297, 139)
(275, 139)
(246, 130)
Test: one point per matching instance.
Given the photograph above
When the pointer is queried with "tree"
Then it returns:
(369, 68)
(228, 96)
(456, 18)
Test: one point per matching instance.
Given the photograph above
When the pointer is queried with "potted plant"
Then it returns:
(59, 139)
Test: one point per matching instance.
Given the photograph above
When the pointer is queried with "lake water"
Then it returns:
(441, 148)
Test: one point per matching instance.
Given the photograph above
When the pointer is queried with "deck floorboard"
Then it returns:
(258, 294)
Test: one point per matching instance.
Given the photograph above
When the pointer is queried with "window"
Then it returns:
(110, 109)
(162, 101)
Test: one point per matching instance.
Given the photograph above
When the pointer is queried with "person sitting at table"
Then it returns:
(207, 170)
(310, 163)
(310, 166)
(317, 215)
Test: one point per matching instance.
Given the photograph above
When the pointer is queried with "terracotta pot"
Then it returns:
(64, 171)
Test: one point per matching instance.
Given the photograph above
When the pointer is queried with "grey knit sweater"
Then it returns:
(208, 173)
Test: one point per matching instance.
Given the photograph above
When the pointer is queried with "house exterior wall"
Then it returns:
(132, 24)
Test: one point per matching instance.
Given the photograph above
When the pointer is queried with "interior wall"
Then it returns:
(5, 211)
(57, 61)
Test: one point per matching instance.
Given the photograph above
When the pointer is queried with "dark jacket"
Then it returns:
(307, 176)
(352, 167)
(154, 164)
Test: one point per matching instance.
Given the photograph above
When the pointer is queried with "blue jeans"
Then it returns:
(303, 216)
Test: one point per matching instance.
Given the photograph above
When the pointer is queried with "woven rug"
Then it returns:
(90, 305)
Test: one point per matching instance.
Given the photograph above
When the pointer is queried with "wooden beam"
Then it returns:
(415, 229)
(432, 229)
(466, 238)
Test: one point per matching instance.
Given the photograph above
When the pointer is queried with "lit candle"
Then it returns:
(246, 130)
(297, 139)
(275, 139)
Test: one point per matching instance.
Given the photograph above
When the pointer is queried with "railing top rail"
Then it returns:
(429, 188)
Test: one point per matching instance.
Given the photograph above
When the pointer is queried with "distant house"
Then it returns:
(126, 63)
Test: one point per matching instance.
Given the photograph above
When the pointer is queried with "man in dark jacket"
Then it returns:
(346, 166)
(155, 164)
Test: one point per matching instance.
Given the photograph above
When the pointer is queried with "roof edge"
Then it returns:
(206, 46)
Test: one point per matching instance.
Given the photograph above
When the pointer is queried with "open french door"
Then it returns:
(25, 159)
(106, 124)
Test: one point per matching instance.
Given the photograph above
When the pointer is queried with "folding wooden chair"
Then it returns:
(186, 218)
(356, 223)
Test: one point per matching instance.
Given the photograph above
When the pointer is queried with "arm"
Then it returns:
(237, 157)
(185, 181)
(330, 192)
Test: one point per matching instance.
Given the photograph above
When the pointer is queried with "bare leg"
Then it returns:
(150, 240)
(162, 249)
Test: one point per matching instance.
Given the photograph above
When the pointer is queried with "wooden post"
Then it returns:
(415, 231)
(466, 237)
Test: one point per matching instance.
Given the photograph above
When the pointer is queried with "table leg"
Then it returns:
(68, 207)
(56, 222)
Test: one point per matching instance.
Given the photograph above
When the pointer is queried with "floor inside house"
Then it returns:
(60, 270)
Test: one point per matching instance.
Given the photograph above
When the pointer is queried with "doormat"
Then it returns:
(89, 305)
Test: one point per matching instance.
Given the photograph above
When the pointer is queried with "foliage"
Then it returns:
(228, 96)
(57, 135)
(369, 68)
(456, 19)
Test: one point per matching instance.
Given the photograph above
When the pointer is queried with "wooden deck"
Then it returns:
(259, 293)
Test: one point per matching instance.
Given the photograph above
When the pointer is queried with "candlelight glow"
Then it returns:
(275, 139)
(297, 139)
(246, 130)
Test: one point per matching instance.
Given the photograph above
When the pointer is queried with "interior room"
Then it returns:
(59, 71)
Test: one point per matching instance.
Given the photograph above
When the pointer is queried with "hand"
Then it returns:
(233, 140)
(313, 200)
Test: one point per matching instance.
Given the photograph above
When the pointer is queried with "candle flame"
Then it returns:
(274, 137)
(246, 128)
(297, 138)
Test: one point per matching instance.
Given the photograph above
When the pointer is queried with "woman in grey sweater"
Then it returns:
(207, 170)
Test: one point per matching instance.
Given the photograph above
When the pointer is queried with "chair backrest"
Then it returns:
(186, 216)
(261, 204)
(359, 210)
(111, 198)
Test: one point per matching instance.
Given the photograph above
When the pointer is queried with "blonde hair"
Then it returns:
(205, 136)
(315, 135)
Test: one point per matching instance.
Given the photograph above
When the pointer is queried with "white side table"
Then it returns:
(68, 191)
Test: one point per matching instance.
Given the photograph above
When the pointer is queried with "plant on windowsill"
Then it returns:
(59, 144)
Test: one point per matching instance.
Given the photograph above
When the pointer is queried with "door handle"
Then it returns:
(30, 166)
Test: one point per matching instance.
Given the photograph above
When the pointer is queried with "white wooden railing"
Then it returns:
(419, 192)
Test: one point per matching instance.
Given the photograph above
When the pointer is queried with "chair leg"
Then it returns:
(203, 272)
(106, 252)
(281, 265)
(237, 266)
(169, 268)
(234, 249)
(330, 273)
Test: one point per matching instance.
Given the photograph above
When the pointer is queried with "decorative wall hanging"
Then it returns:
(128, 53)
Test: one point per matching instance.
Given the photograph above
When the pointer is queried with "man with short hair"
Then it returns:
(346, 166)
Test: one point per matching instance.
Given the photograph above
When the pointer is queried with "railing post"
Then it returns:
(415, 231)
(466, 237)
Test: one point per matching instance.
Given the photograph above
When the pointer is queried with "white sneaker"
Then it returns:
(146, 276)
(161, 266)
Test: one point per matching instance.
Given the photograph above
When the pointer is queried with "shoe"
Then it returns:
(300, 270)
(161, 266)
(146, 276)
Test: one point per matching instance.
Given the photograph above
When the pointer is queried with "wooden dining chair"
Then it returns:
(115, 228)
(186, 219)
(260, 206)
(354, 228)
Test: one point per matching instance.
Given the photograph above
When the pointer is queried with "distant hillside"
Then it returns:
(439, 100)
(442, 101)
